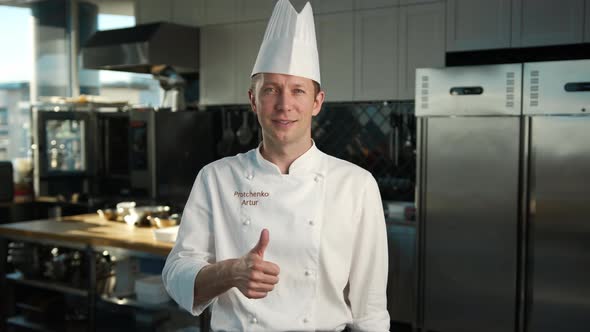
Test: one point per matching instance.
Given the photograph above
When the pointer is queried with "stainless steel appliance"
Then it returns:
(469, 129)
(139, 153)
(167, 149)
(168, 51)
(556, 104)
(64, 155)
(6, 181)
(112, 144)
(80, 148)
(141, 48)
(504, 238)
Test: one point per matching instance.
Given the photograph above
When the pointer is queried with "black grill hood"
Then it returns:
(140, 48)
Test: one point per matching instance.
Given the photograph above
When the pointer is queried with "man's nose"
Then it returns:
(284, 101)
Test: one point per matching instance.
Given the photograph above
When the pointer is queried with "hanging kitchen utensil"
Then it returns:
(221, 144)
(244, 132)
(391, 140)
(408, 141)
(408, 146)
(390, 145)
(229, 134)
(395, 122)
(224, 148)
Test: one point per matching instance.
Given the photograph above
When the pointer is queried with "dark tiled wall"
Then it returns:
(365, 134)
(362, 133)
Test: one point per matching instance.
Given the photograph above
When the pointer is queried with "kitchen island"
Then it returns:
(90, 235)
(88, 230)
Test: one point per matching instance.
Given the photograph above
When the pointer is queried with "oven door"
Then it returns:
(113, 153)
(65, 143)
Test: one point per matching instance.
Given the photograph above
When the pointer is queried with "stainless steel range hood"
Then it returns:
(140, 48)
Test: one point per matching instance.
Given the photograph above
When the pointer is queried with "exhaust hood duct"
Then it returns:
(141, 48)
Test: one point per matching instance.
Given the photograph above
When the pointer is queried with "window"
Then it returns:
(18, 67)
(17, 70)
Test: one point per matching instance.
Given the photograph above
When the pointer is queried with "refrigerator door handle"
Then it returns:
(466, 90)
(577, 87)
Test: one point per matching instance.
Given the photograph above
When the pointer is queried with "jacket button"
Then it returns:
(305, 320)
(250, 177)
(311, 223)
(317, 179)
(253, 320)
(246, 222)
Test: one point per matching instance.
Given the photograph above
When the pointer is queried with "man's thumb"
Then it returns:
(262, 243)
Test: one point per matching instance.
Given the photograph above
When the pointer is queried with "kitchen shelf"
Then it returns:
(131, 301)
(21, 321)
(90, 234)
(50, 285)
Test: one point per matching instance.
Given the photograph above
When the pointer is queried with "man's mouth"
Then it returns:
(284, 122)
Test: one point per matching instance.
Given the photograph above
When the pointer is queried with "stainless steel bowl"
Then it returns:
(108, 214)
(162, 222)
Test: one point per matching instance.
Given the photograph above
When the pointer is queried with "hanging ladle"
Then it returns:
(244, 132)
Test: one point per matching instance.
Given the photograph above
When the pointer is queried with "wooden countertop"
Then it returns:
(89, 229)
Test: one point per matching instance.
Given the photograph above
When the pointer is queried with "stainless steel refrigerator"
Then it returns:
(502, 201)
(469, 127)
(556, 103)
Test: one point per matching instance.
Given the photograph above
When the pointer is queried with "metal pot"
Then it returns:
(108, 214)
(117, 214)
(162, 222)
(139, 216)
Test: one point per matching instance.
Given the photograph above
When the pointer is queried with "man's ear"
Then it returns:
(252, 99)
(317, 103)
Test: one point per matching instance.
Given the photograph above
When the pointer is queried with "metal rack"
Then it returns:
(94, 300)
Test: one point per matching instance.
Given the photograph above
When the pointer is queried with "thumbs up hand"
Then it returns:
(254, 276)
(262, 243)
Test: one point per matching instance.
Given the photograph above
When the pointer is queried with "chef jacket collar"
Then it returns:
(309, 162)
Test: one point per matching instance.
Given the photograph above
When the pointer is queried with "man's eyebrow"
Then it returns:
(293, 85)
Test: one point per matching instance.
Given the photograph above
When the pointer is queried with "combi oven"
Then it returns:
(167, 149)
(64, 150)
(138, 153)
(78, 149)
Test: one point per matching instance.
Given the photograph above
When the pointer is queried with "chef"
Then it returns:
(283, 237)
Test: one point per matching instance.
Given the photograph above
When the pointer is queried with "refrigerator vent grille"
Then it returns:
(424, 93)
(534, 95)
(510, 89)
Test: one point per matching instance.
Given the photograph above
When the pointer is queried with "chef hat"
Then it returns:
(289, 45)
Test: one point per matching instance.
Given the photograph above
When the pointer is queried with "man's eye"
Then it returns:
(268, 90)
(299, 91)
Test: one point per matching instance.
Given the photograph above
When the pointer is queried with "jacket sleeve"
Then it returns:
(369, 267)
(193, 250)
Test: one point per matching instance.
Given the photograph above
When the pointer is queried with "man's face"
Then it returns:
(285, 105)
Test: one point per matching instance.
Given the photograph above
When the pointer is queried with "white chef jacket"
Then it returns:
(327, 235)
